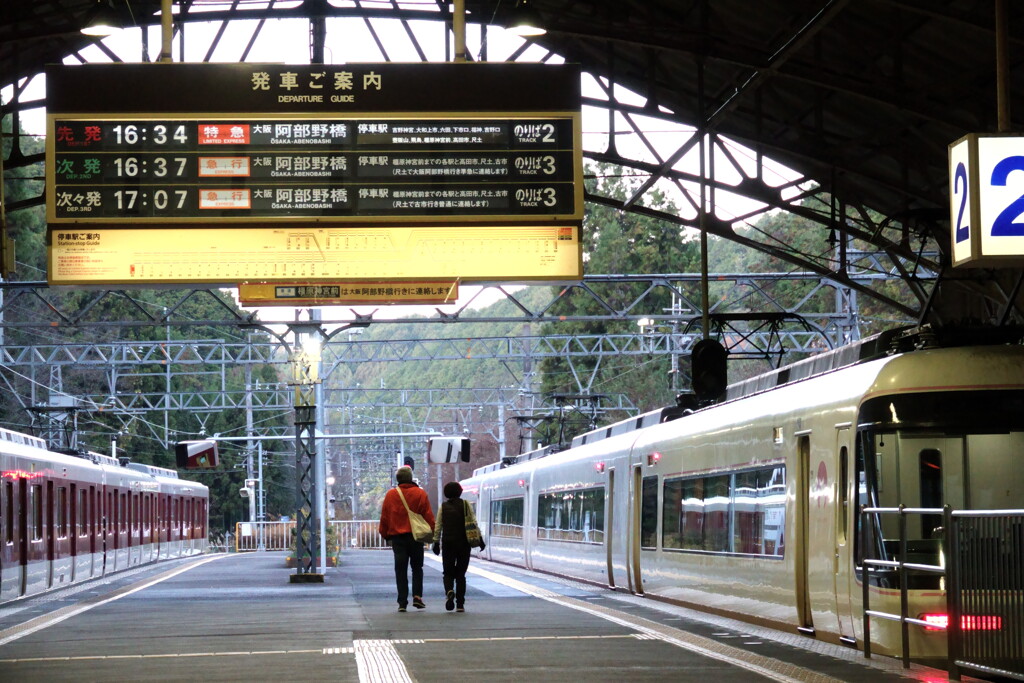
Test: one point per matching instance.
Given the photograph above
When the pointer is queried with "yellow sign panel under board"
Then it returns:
(360, 292)
(102, 256)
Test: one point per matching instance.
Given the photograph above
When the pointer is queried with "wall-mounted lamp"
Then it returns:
(105, 20)
(525, 21)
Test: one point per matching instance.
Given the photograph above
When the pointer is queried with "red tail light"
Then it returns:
(968, 622)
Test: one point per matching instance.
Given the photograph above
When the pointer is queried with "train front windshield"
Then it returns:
(963, 449)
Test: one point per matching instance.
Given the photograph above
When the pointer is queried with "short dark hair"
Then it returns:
(452, 489)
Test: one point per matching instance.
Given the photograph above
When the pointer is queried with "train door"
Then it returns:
(74, 525)
(92, 521)
(633, 536)
(484, 518)
(109, 537)
(22, 531)
(609, 527)
(51, 533)
(844, 583)
(805, 620)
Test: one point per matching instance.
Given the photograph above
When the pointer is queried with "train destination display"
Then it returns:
(279, 150)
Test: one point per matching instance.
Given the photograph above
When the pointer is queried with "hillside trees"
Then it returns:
(617, 242)
(146, 436)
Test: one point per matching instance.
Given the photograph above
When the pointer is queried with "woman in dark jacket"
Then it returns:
(450, 542)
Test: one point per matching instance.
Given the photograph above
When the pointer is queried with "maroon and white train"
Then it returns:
(66, 518)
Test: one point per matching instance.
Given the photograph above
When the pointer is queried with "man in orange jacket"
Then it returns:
(395, 527)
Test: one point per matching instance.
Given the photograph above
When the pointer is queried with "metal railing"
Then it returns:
(986, 593)
(359, 534)
(902, 569)
(983, 570)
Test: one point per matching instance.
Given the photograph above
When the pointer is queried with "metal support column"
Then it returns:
(307, 530)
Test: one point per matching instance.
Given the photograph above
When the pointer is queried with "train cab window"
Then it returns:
(649, 513)
(928, 450)
(930, 485)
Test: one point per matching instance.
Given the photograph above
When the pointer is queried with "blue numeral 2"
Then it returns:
(1005, 224)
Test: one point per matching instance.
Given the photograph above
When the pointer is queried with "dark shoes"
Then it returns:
(418, 603)
(401, 608)
(449, 603)
(460, 609)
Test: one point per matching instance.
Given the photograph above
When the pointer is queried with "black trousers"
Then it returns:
(408, 552)
(455, 560)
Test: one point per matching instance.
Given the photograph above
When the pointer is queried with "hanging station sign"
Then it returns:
(986, 193)
(177, 173)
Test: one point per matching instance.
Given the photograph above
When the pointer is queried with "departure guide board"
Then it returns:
(147, 147)
(344, 170)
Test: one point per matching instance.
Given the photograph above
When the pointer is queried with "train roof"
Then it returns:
(19, 438)
(152, 470)
(888, 343)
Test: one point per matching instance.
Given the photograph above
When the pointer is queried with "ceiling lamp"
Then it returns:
(105, 21)
(525, 21)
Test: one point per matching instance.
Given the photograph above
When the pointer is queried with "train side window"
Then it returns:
(94, 511)
(9, 512)
(83, 513)
(36, 509)
(717, 510)
(507, 517)
(649, 513)
(62, 512)
(844, 494)
(576, 516)
(742, 513)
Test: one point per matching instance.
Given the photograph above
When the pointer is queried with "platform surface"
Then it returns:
(238, 617)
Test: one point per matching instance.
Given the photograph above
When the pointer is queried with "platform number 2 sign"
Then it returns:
(986, 191)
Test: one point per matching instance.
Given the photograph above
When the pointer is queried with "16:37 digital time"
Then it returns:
(158, 167)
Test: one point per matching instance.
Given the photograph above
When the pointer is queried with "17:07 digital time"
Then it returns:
(126, 199)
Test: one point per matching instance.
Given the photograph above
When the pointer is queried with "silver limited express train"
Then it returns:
(751, 507)
(68, 518)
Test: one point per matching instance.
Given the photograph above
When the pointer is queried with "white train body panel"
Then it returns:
(762, 479)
